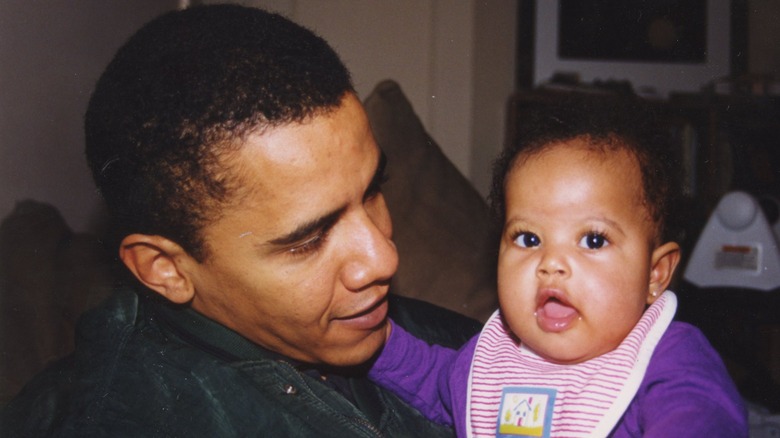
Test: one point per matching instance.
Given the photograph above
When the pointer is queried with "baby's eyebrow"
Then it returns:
(609, 222)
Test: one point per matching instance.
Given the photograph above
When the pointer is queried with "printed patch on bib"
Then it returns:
(525, 412)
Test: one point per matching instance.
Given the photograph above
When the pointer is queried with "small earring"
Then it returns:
(654, 293)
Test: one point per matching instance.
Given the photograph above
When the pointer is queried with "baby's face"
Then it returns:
(576, 251)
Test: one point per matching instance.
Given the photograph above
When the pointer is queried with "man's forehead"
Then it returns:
(324, 134)
(302, 171)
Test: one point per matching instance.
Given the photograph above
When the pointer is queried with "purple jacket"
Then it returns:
(686, 391)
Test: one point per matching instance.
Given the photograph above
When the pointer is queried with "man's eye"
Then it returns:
(375, 188)
(309, 246)
(527, 240)
(594, 241)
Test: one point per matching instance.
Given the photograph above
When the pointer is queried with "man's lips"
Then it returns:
(367, 319)
(553, 312)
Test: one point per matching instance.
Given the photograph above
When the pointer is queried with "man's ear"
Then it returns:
(157, 262)
(664, 261)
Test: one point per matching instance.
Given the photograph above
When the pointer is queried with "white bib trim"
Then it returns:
(511, 390)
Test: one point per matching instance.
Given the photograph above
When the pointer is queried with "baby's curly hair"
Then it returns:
(607, 125)
(179, 97)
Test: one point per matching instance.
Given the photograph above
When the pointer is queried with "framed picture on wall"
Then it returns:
(666, 31)
(661, 45)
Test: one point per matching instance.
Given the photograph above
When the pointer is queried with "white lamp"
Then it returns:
(737, 248)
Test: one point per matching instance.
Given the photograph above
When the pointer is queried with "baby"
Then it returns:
(583, 343)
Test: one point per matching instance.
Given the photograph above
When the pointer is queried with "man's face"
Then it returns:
(301, 262)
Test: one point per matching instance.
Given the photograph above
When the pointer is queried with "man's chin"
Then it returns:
(359, 353)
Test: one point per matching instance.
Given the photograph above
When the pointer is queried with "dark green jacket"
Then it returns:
(144, 369)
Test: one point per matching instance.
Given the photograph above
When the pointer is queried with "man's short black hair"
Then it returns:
(181, 94)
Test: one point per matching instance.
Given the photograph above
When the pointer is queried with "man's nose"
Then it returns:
(372, 256)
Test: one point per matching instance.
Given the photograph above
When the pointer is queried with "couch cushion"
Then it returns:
(446, 241)
(48, 277)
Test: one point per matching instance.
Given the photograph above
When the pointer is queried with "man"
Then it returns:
(244, 182)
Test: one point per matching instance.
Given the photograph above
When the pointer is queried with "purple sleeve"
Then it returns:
(686, 392)
(431, 378)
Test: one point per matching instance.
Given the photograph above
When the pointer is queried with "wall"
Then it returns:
(454, 59)
(494, 75)
(763, 52)
(52, 53)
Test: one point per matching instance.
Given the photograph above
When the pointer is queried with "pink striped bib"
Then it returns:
(515, 393)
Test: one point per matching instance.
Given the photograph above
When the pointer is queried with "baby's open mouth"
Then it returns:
(555, 315)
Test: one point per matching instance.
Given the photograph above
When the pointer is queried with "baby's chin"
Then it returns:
(563, 355)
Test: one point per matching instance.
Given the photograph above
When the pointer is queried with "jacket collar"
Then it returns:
(214, 338)
(207, 334)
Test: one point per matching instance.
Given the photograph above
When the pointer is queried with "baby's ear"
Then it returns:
(663, 262)
(157, 262)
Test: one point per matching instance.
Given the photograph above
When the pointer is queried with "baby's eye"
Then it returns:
(594, 241)
(527, 240)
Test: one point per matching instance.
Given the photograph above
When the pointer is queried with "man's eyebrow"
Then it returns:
(309, 228)
(328, 220)
(380, 176)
